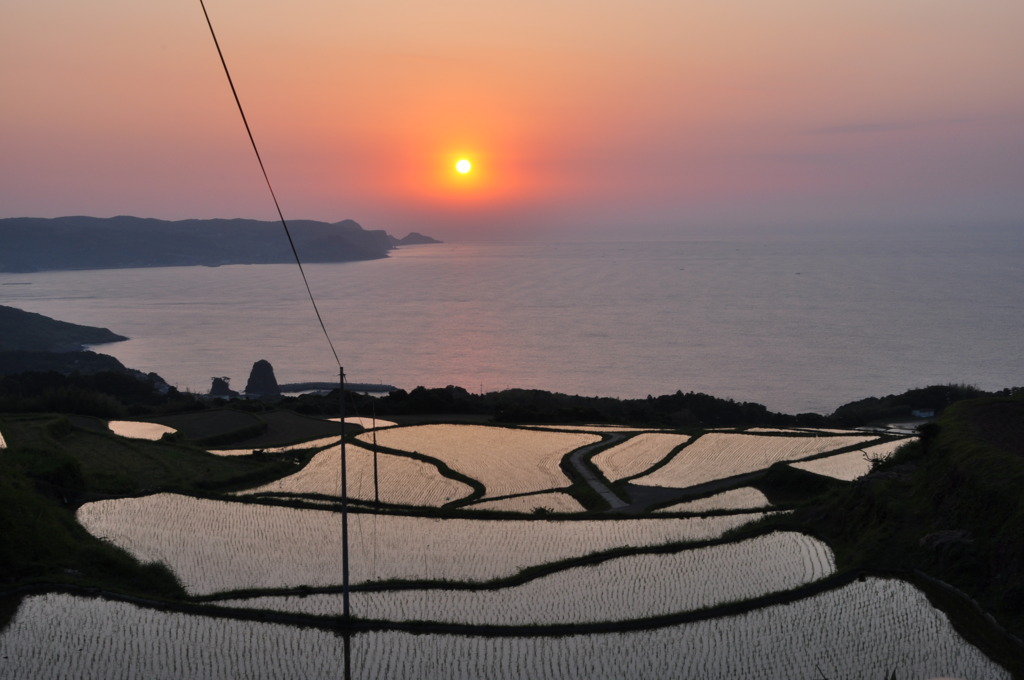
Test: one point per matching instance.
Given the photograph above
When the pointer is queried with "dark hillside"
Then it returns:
(51, 466)
(1001, 425)
(21, 330)
(934, 398)
(950, 506)
(20, 362)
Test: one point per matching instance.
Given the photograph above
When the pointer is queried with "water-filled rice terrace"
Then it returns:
(480, 551)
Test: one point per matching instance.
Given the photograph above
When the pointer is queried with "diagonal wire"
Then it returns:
(266, 178)
(341, 371)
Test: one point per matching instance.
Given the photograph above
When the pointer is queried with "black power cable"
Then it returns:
(341, 371)
(266, 178)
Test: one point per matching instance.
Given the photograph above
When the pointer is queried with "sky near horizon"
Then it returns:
(600, 118)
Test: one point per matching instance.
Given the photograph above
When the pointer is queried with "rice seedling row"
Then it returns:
(216, 546)
(401, 480)
(623, 588)
(367, 423)
(552, 501)
(852, 464)
(312, 444)
(134, 429)
(718, 455)
(743, 498)
(637, 454)
(507, 461)
(865, 629)
(591, 428)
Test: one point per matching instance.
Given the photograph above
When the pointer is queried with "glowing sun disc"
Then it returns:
(463, 166)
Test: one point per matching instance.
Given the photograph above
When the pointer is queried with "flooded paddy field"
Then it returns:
(219, 545)
(865, 629)
(574, 591)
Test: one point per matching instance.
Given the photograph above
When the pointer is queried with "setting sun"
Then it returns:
(463, 166)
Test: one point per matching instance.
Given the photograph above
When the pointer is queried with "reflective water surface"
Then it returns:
(798, 325)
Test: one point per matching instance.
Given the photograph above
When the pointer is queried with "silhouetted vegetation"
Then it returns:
(679, 410)
(108, 394)
(948, 506)
(16, 362)
(934, 398)
(540, 407)
(43, 544)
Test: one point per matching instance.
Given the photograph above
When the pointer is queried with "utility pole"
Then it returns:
(344, 505)
(346, 611)
(376, 482)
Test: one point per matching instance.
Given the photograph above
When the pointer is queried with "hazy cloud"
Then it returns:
(891, 126)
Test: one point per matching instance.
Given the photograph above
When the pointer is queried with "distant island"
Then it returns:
(414, 239)
(67, 243)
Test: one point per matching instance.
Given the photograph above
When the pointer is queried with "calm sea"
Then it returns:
(796, 324)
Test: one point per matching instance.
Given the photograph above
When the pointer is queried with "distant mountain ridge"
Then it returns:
(62, 243)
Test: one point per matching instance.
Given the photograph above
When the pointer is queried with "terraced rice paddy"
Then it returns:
(507, 461)
(401, 480)
(312, 444)
(637, 454)
(865, 629)
(620, 589)
(743, 498)
(591, 428)
(718, 455)
(851, 465)
(214, 546)
(476, 571)
(134, 429)
(554, 501)
(367, 423)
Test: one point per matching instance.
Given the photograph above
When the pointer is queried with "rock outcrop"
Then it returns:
(262, 382)
(221, 387)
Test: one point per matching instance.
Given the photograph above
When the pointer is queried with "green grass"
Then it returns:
(215, 427)
(112, 465)
(51, 466)
(44, 545)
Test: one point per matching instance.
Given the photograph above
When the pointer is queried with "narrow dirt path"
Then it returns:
(640, 498)
(597, 483)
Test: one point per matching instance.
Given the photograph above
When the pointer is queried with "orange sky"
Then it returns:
(600, 118)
